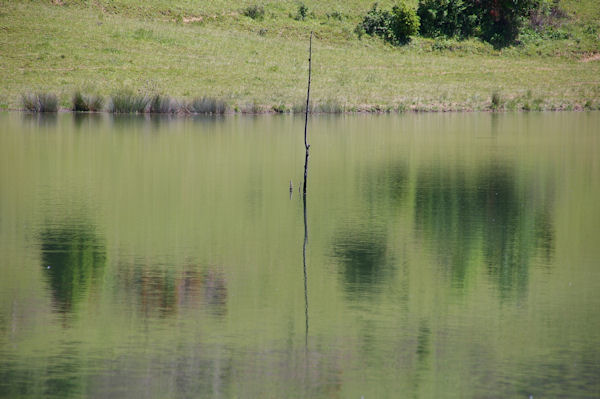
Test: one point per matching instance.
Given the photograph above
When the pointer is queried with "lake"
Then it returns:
(446, 255)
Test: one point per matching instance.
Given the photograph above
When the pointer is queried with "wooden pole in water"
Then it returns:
(306, 145)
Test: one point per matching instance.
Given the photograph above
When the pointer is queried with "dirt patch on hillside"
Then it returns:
(187, 20)
(591, 57)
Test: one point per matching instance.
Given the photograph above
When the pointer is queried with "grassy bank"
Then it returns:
(187, 50)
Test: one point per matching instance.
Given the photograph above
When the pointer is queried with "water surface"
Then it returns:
(447, 256)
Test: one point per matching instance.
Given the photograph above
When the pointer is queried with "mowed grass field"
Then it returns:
(189, 49)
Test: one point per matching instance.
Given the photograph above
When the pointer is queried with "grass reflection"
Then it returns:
(163, 292)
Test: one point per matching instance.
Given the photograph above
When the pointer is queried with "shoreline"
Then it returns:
(374, 110)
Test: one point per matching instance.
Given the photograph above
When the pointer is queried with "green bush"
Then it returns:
(375, 23)
(302, 12)
(404, 23)
(395, 26)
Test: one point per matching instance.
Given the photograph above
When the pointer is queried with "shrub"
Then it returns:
(126, 103)
(395, 26)
(254, 11)
(302, 12)
(404, 23)
(375, 22)
(40, 102)
(84, 103)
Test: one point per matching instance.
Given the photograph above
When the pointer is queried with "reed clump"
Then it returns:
(128, 103)
(160, 104)
(40, 102)
(300, 107)
(87, 102)
(207, 105)
(329, 106)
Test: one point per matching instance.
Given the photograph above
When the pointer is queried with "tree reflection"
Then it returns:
(489, 213)
(73, 258)
(443, 212)
(363, 255)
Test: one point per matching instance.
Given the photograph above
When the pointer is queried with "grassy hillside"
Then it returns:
(189, 48)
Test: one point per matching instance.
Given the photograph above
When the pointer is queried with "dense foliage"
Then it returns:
(395, 26)
(501, 20)
(450, 18)
(495, 21)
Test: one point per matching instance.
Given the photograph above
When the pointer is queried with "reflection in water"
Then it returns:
(423, 353)
(393, 180)
(161, 293)
(443, 212)
(87, 120)
(215, 292)
(565, 379)
(73, 257)
(63, 378)
(363, 255)
(198, 297)
(40, 119)
(489, 213)
(304, 261)
(156, 290)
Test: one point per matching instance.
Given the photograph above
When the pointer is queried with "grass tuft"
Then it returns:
(281, 108)
(40, 102)
(300, 108)
(207, 105)
(328, 107)
(86, 103)
(496, 101)
(160, 104)
(128, 103)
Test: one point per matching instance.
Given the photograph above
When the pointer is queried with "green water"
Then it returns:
(448, 256)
